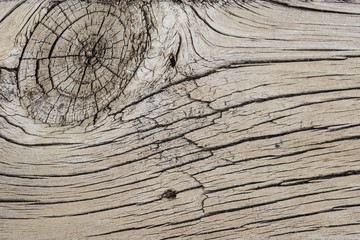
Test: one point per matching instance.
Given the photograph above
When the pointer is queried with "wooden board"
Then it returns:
(180, 119)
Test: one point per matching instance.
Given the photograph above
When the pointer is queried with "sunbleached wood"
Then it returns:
(241, 121)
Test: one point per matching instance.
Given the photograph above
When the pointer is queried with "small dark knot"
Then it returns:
(169, 194)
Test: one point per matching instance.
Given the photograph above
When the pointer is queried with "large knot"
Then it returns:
(79, 58)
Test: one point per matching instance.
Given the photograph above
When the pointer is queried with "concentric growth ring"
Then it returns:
(79, 58)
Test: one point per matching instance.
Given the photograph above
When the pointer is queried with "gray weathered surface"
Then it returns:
(220, 120)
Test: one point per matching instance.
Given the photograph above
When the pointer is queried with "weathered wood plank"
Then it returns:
(241, 120)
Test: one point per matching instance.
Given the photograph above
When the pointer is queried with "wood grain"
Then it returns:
(240, 121)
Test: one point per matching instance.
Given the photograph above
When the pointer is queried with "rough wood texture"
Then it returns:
(180, 119)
